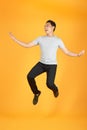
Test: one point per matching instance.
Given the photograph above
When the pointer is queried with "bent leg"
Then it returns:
(36, 70)
(51, 72)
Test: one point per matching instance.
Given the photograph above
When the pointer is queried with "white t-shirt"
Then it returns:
(49, 47)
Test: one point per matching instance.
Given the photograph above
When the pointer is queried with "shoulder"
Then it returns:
(60, 42)
(40, 37)
(58, 39)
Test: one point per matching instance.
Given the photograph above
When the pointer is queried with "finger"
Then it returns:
(83, 51)
(10, 33)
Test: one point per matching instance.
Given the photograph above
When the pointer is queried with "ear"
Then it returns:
(53, 28)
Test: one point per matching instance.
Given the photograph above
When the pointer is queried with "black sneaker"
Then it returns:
(35, 99)
(56, 93)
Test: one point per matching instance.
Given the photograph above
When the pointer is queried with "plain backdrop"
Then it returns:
(26, 19)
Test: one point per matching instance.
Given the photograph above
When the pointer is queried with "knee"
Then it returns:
(29, 76)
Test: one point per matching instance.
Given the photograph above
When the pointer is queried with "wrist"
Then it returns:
(78, 55)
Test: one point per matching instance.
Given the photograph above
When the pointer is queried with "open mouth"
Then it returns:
(46, 30)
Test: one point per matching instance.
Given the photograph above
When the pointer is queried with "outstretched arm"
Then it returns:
(67, 52)
(30, 44)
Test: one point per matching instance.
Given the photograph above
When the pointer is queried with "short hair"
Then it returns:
(52, 23)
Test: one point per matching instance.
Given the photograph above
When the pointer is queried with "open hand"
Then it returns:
(81, 53)
(11, 35)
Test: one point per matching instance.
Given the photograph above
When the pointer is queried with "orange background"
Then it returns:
(26, 19)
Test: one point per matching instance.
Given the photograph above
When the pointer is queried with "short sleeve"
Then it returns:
(61, 44)
(37, 41)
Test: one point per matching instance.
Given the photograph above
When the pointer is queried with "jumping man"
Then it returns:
(49, 45)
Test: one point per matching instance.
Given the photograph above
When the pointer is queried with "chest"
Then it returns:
(48, 44)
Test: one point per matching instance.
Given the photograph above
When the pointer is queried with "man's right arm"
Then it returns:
(27, 45)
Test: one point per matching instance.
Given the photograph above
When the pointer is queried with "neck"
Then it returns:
(50, 34)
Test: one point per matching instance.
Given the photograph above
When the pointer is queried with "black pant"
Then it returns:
(38, 69)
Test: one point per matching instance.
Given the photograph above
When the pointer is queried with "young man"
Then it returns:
(49, 45)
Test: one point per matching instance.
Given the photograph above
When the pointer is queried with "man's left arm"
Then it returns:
(69, 53)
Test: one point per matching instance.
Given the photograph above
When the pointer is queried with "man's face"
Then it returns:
(48, 28)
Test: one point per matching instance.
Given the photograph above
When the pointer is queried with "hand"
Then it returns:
(81, 53)
(11, 35)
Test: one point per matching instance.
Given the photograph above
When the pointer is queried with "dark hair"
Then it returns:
(52, 23)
